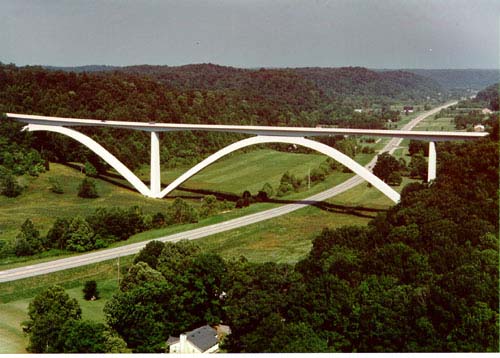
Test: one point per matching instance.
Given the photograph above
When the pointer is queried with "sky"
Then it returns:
(252, 33)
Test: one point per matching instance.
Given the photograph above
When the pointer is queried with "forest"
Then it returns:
(188, 94)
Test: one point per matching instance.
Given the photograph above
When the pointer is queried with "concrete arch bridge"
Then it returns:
(262, 134)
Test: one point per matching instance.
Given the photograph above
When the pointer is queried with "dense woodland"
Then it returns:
(449, 79)
(193, 94)
(421, 277)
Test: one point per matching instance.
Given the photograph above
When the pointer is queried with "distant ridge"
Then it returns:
(475, 79)
(80, 69)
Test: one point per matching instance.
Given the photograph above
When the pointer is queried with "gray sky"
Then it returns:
(252, 33)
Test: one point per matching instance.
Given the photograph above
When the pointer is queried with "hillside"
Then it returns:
(460, 79)
(361, 82)
(194, 94)
(490, 95)
(339, 82)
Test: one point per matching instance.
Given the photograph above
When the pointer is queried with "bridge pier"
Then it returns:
(155, 176)
(431, 170)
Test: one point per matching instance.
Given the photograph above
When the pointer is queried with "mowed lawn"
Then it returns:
(16, 296)
(244, 171)
(42, 206)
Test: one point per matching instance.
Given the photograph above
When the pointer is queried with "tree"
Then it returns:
(385, 166)
(28, 241)
(90, 291)
(57, 235)
(418, 147)
(150, 253)
(265, 193)
(90, 170)
(77, 336)
(209, 206)
(9, 186)
(49, 311)
(158, 220)
(180, 212)
(394, 179)
(87, 189)
(138, 274)
(81, 237)
(418, 166)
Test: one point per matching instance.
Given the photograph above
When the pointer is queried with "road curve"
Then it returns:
(108, 254)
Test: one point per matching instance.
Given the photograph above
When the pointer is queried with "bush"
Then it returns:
(9, 186)
(209, 206)
(158, 220)
(87, 189)
(90, 291)
(180, 212)
(55, 186)
(90, 170)
(284, 189)
(394, 179)
(28, 241)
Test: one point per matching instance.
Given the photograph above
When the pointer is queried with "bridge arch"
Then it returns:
(99, 150)
(317, 146)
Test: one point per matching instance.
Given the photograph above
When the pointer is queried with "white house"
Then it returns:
(201, 340)
(478, 128)
(486, 111)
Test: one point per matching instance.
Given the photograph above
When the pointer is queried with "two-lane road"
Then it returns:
(108, 254)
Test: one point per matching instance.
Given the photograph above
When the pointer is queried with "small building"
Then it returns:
(408, 109)
(478, 128)
(358, 110)
(486, 111)
(204, 339)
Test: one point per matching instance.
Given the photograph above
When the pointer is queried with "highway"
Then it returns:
(108, 254)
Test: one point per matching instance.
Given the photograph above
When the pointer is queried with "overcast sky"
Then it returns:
(252, 33)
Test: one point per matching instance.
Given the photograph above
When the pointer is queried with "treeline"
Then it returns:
(460, 79)
(106, 226)
(421, 277)
(489, 96)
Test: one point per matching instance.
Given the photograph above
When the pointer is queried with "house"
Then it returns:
(486, 111)
(358, 110)
(204, 339)
(478, 128)
(408, 109)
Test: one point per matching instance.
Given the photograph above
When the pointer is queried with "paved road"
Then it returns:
(107, 254)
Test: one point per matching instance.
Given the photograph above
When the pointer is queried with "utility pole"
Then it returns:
(118, 272)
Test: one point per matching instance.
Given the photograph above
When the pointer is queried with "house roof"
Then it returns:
(204, 337)
(172, 340)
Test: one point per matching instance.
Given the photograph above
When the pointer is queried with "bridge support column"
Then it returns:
(431, 170)
(155, 178)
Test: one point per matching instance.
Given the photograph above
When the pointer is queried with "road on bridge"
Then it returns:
(108, 254)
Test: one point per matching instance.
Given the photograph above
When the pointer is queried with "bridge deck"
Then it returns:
(434, 136)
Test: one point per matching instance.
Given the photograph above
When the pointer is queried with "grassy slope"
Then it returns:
(42, 206)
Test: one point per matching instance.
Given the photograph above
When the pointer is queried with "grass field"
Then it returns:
(42, 206)
(16, 296)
